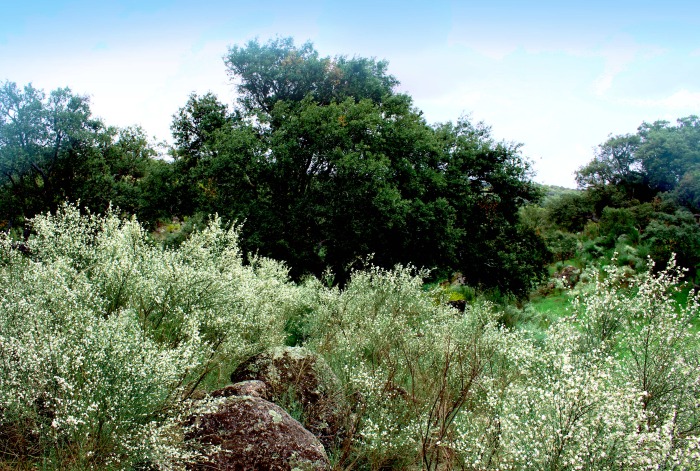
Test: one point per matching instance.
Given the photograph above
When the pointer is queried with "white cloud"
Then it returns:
(618, 54)
(680, 100)
(135, 85)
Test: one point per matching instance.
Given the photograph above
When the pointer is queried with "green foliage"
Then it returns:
(174, 233)
(42, 140)
(570, 211)
(461, 293)
(635, 188)
(660, 158)
(677, 234)
(688, 190)
(615, 163)
(52, 149)
(562, 245)
(669, 152)
(324, 161)
(280, 71)
(157, 192)
(535, 218)
(327, 164)
(547, 310)
(589, 226)
(617, 222)
(195, 123)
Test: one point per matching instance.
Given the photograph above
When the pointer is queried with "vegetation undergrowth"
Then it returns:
(105, 336)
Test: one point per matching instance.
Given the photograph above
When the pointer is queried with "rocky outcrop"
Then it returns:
(303, 383)
(249, 433)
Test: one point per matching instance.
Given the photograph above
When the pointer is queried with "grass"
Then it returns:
(544, 310)
(552, 305)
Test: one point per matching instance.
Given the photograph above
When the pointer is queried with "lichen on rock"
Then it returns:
(301, 382)
(250, 433)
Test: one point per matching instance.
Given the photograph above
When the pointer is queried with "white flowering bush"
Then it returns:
(104, 334)
(612, 386)
(657, 349)
(413, 366)
(567, 410)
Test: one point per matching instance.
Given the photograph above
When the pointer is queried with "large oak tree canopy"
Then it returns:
(326, 163)
(280, 71)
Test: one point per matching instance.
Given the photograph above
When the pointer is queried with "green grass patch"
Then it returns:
(553, 305)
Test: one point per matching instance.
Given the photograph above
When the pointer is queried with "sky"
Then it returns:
(557, 76)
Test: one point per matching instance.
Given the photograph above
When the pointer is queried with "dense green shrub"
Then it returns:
(643, 213)
(676, 233)
(688, 190)
(562, 245)
(615, 222)
(570, 211)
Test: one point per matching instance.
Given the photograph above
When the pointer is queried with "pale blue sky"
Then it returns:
(556, 76)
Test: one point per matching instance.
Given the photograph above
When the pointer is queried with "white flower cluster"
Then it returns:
(103, 333)
(615, 386)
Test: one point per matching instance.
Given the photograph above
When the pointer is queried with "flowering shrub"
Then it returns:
(103, 334)
(567, 411)
(614, 386)
(435, 388)
(656, 346)
(412, 364)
